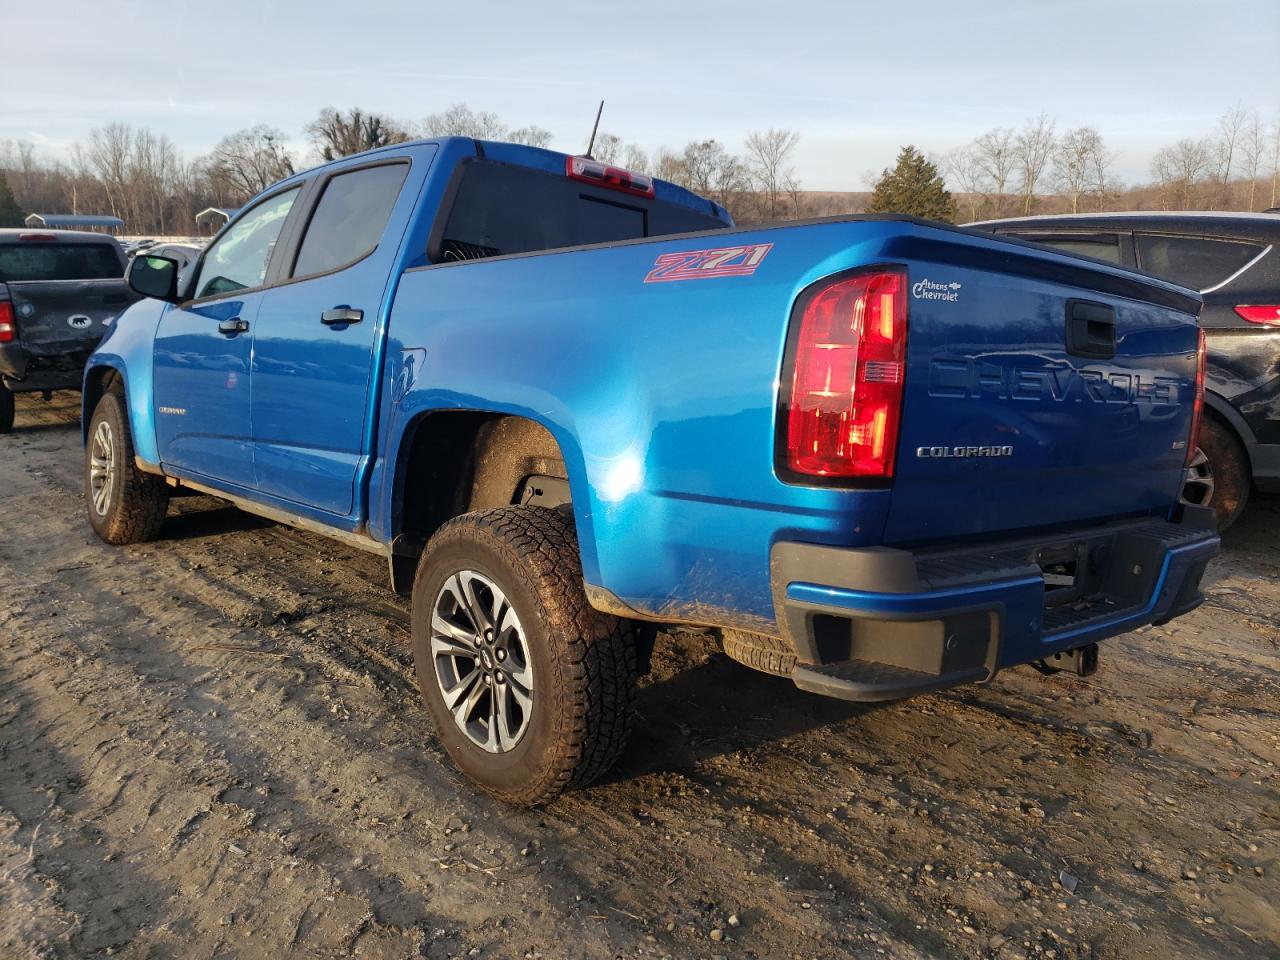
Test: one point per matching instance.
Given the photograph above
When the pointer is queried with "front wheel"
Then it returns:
(124, 504)
(528, 686)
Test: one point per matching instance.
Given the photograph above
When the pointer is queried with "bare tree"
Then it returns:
(1181, 168)
(1032, 148)
(607, 148)
(1230, 126)
(967, 174)
(1275, 160)
(994, 153)
(768, 152)
(461, 121)
(246, 162)
(1080, 160)
(530, 136)
(670, 166)
(336, 134)
(635, 159)
(729, 180)
(1253, 149)
(109, 149)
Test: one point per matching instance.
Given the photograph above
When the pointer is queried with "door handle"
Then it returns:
(233, 326)
(1091, 330)
(341, 316)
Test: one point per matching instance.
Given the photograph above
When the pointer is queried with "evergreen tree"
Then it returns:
(913, 186)
(11, 214)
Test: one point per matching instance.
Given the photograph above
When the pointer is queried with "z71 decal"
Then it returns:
(701, 264)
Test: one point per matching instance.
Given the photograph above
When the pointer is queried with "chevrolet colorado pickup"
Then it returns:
(59, 289)
(569, 403)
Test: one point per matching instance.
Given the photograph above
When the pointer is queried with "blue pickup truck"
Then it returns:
(570, 403)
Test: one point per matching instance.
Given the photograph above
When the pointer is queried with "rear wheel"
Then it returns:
(124, 504)
(528, 686)
(766, 654)
(1219, 474)
(6, 409)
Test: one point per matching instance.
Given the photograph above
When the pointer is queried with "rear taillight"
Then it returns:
(843, 404)
(7, 332)
(1197, 407)
(1267, 316)
(603, 175)
(37, 237)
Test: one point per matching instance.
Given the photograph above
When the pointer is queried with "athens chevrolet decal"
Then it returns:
(704, 264)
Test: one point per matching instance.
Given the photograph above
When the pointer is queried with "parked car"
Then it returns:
(184, 254)
(1233, 260)
(59, 289)
(569, 403)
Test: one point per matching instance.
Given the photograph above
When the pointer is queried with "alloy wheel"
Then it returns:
(482, 662)
(102, 461)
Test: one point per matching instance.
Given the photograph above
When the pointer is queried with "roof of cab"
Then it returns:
(536, 158)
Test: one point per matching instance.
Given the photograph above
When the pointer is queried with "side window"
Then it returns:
(239, 259)
(349, 219)
(1104, 246)
(1195, 262)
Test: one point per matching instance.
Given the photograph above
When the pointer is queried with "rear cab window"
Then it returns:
(37, 260)
(500, 208)
(1200, 263)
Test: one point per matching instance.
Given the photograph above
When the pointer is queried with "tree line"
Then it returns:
(140, 176)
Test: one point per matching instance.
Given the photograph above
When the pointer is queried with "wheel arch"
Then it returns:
(450, 462)
(97, 381)
(1217, 406)
(103, 371)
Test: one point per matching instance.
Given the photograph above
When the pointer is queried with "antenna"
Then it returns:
(592, 143)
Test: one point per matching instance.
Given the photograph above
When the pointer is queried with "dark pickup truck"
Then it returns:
(59, 291)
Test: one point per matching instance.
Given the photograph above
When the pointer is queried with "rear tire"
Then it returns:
(6, 409)
(766, 654)
(124, 504)
(1219, 475)
(529, 687)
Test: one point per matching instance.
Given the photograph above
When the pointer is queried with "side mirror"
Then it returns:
(155, 277)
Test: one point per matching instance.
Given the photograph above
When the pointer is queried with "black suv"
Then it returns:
(1231, 258)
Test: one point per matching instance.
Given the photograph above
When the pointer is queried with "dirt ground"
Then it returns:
(212, 746)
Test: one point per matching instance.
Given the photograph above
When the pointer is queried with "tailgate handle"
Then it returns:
(1091, 330)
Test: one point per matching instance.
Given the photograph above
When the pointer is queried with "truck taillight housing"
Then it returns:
(7, 332)
(1197, 405)
(841, 394)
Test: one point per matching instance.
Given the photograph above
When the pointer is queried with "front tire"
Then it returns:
(529, 687)
(6, 409)
(1219, 474)
(124, 504)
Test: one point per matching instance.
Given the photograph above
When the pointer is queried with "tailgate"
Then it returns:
(59, 322)
(1040, 390)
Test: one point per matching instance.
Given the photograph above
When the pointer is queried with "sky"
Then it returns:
(856, 79)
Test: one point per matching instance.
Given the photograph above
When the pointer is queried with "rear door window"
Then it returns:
(502, 208)
(1105, 246)
(1195, 262)
(33, 260)
(349, 219)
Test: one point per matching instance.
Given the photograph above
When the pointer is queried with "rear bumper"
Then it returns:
(880, 624)
(62, 372)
